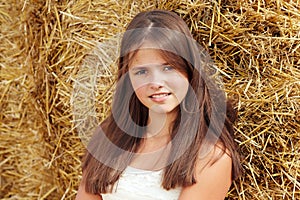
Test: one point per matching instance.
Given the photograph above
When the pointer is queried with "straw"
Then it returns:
(58, 71)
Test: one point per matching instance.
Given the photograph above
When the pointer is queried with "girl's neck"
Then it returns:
(154, 151)
(159, 124)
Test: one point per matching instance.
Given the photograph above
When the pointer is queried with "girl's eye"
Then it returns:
(140, 72)
(168, 68)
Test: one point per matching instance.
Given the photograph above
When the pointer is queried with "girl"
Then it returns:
(169, 134)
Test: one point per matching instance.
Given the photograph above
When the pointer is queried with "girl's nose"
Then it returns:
(155, 86)
(156, 81)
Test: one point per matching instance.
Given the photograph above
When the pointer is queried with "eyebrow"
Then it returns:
(145, 66)
(137, 68)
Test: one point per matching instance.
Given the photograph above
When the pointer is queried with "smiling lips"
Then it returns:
(160, 97)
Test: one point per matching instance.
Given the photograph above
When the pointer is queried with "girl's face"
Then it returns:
(158, 85)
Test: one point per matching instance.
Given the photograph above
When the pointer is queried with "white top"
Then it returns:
(138, 184)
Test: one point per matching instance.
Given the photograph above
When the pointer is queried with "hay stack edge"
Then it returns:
(44, 119)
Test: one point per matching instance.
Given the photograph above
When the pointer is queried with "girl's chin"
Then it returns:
(163, 110)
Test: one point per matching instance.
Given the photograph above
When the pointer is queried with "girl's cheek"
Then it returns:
(140, 93)
(138, 84)
(179, 78)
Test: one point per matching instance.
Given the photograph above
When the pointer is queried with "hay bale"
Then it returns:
(23, 154)
(47, 48)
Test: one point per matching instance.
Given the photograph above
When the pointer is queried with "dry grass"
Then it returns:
(47, 50)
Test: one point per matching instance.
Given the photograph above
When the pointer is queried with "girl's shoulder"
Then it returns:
(211, 155)
(212, 175)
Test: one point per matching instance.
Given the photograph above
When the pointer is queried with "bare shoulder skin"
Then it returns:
(213, 179)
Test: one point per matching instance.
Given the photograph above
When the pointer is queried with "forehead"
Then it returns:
(146, 56)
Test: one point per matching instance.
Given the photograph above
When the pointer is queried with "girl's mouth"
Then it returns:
(160, 97)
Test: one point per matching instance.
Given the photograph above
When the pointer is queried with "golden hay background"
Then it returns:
(255, 44)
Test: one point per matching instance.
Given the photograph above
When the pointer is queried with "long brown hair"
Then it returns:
(204, 117)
